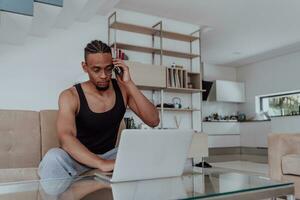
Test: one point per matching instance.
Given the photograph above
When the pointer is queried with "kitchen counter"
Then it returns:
(264, 120)
(223, 121)
(250, 133)
(232, 121)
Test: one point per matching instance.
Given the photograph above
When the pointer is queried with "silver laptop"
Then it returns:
(149, 154)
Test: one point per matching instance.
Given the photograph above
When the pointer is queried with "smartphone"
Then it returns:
(118, 71)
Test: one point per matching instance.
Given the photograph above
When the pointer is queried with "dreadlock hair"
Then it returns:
(96, 46)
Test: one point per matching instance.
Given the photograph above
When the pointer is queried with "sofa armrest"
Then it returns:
(278, 146)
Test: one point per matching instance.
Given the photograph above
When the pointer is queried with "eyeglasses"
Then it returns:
(107, 70)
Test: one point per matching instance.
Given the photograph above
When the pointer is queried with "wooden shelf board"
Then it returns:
(178, 36)
(180, 109)
(152, 31)
(183, 90)
(170, 89)
(135, 48)
(193, 73)
(143, 87)
(154, 50)
(133, 28)
(178, 54)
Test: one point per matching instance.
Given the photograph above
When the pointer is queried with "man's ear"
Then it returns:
(84, 66)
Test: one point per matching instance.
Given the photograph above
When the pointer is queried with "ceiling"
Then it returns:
(242, 31)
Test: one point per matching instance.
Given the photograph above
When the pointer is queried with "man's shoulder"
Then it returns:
(68, 94)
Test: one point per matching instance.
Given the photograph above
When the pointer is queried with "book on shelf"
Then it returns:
(181, 78)
(174, 77)
(184, 79)
(177, 78)
(172, 83)
(177, 83)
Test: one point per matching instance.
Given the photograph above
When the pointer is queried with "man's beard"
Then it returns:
(102, 88)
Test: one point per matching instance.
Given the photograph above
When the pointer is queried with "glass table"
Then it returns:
(211, 184)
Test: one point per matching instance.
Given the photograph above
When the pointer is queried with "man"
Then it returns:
(90, 114)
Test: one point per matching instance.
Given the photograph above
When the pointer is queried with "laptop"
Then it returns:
(148, 154)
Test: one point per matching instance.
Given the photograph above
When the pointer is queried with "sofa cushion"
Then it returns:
(11, 193)
(18, 174)
(20, 139)
(291, 164)
(48, 130)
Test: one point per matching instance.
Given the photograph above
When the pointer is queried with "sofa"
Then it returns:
(284, 158)
(26, 136)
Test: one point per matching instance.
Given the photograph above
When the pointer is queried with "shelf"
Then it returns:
(178, 36)
(193, 73)
(169, 89)
(173, 109)
(142, 87)
(154, 50)
(133, 28)
(152, 31)
(183, 90)
(155, 78)
(180, 109)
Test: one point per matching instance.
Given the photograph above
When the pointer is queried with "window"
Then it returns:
(281, 104)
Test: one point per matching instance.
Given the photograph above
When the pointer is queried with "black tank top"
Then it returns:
(99, 131)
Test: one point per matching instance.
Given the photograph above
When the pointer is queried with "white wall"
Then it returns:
(276, 75)
(32, 75)
(214, 72)
(280, 74)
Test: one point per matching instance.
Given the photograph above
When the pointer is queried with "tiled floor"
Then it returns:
(246, 166)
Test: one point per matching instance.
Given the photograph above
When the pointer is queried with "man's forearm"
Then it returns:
(145, 108)
(79, 152)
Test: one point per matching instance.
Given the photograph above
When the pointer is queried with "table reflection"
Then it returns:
(92, 188)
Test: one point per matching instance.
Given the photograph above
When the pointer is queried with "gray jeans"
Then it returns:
(57, 163)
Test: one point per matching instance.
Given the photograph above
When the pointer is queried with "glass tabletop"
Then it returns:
(210, 183)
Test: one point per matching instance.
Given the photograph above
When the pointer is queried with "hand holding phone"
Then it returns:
(118, 71)
(121, 71)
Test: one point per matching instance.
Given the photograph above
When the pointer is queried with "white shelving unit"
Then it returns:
(156, 31)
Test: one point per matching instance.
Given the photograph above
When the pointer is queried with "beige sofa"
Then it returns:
(284, 158)
(27, 135)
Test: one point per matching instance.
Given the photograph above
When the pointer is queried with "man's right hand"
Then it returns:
(107, 165)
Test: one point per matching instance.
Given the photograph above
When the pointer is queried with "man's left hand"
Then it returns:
(125, 78)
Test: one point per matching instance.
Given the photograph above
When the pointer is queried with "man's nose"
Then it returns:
(102, 74)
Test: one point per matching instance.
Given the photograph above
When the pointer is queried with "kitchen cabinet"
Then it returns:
(215, 141)
(230, 91)
(221, 128)
(255, 134)
(222, 134)
(286, 124)
(233, 134)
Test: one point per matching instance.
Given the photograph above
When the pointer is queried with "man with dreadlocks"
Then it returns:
(90, 114)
